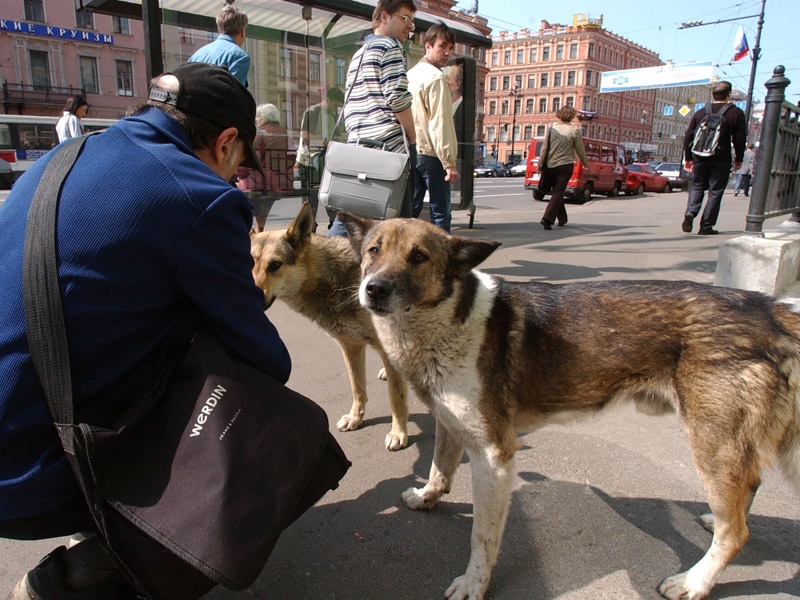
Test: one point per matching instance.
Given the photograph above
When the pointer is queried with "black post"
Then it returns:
(773, 105)
(756, 55)
(151, 22)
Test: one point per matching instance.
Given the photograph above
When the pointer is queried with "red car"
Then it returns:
(642, 178)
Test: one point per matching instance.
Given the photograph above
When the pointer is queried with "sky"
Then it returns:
(655, 25)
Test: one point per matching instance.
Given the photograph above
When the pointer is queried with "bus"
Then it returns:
(26, 138)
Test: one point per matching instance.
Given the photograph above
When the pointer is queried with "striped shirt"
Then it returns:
(377, 94)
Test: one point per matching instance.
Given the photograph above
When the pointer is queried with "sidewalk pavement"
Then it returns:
(602, 509)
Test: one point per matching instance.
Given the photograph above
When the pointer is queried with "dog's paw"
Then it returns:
(678, 587)
(707, 521)
(420, 498)
(396, 441)
(463, 589)
(382, 374)
(349, 423)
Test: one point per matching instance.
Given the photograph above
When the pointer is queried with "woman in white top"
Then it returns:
(69, 125)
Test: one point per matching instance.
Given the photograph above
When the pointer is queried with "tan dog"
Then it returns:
(493, 359)
(318, 277)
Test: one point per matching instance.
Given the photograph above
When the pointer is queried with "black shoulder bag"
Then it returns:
(195, 484)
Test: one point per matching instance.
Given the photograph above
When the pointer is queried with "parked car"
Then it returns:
(642, 178)
(519, 169)
(6, 174)
(605, 172)
(490, 168)
(677, 175)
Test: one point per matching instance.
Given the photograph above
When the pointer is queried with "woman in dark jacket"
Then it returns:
(562, 143)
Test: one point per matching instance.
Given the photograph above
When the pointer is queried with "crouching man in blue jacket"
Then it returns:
(152, 240)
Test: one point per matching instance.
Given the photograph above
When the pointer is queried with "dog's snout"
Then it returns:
(378, 289)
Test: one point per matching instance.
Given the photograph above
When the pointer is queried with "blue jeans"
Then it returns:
(337, 228)
(742, 183)
(711, 176)
(430, 177)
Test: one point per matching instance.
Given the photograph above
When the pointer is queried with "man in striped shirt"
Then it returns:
(379, 105)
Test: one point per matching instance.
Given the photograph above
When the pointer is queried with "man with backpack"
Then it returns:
(707, 153)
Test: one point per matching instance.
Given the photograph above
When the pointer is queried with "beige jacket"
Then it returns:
(432, 109)
(561, 144)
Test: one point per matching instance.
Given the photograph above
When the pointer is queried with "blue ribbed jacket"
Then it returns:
(150, 243)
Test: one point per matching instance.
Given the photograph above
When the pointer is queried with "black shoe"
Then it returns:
(562, 223)
(708, 231)
(546, 224)
(687, 223)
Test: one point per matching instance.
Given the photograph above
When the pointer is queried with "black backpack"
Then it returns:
(709, 130)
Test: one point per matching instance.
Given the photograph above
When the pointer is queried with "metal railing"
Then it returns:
(18, 93)
(776, 186)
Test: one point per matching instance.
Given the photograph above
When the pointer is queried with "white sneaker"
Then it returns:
(22, 591)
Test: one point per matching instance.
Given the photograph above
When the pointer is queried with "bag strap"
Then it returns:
(44, 315)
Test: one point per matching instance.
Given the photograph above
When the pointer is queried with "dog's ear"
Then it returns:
(299, 232)
(356, 228)
(466, 254)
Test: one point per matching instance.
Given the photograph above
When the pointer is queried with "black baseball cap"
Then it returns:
(211, 93)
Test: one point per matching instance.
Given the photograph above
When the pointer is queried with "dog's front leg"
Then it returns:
(447, 454)
(491, 490)
(355, 359)
(397, 438)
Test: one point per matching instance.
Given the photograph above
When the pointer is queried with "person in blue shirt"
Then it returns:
(177, 256)
(227, 50)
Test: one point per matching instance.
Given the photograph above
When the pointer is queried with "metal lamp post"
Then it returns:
(643, 120)
(515, 94)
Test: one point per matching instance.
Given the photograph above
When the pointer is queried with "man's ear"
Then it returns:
(226, 145)
(356, 228)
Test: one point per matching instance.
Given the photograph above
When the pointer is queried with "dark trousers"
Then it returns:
(711, 176)
(430, 176)
(560, 177)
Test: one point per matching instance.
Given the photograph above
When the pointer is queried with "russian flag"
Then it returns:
(740, 46)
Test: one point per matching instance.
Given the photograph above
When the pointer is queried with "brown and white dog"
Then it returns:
(493, 359)
(318, 277)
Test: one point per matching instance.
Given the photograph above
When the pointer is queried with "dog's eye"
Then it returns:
(274, 266)
(373, 251)
(418, 257)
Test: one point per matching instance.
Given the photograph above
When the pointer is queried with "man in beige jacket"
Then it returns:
(432, 108)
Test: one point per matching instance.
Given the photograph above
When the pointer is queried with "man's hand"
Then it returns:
(737, 164)
(688, 165)
(451, 175)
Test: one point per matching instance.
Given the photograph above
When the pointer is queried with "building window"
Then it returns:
(557, 79)
(185, 35)
(313, 67)
(493, 84)
(124, 78)
(40, 71)
(585, 103)
(506, 82)
(34, 10)
(546, 53)
(559, 52)
(591, 49)
(493, 107)
(542, 105)
(504, 133)
(571, 101)
(341, 71)
(88, 66)
(490, 133)
(573, 50)
(520, 56)
(588, 77)
(494, 59)
(517, 106)
(531, 81)
(533, 54)
(556, 103)
(528, 133)
(540, 131)
(285, 63)
(121, 25)
(516, 133)
(529, 106)
(504, 107)
(570, 78)
(518, 82)
(543, 80)
(507, 57)
(83, 18)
